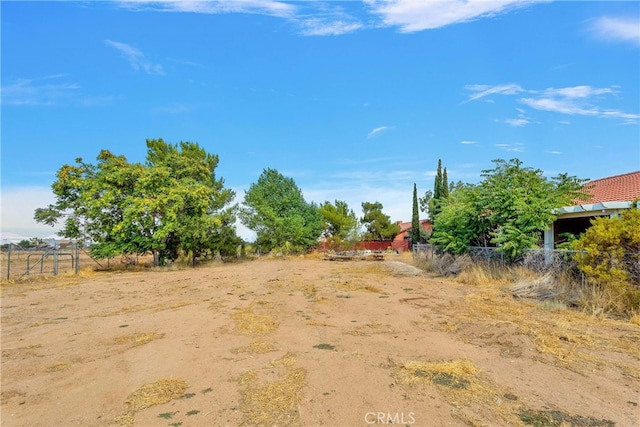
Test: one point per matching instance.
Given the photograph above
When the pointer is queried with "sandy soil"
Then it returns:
(306, 342)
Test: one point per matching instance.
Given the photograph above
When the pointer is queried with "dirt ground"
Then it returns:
(302, 341)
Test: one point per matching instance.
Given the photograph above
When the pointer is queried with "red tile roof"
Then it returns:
(619, 188)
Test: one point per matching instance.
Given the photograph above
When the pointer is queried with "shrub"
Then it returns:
(610, 260)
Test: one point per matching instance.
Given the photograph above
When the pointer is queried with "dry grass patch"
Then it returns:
(256, 347)
(356, 285)
(458, 381)
(274, 402)
(60, 366)
(573, 339)
(372, 329)
(138, 338)
(249, 322)
(157, 393)
(457, 374)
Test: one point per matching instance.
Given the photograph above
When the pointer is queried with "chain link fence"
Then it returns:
(50, 259)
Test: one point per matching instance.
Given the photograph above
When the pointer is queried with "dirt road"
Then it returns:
(306, 342)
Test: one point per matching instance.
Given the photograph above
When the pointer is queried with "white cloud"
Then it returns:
(617, 29)
(553, 152)
(564, 106)
(377, 131)
(468, 142)
(480, 91)
(580, 100)
(517, 147)
(42, 91)
(418, 15)
(323, 27)
(311, 18)
(136, 58)
(264, 7)
(519, 122)
(581, 91)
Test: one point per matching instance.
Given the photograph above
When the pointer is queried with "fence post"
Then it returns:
(9, 261)
(55, 259)
(77, 258)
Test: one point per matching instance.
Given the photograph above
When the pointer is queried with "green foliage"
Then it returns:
(339, 224)
(611, 256)
(509, 209)
(172, 204)
(432, 201)
(416, 236)
(378, 225)
(461, 224)
(425, 201)
(276, 210)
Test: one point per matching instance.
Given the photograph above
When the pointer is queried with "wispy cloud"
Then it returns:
(417, 15)
(517, 147)
(263, 7)
(42, 91)
(327, 27)
(377, 131)
(136, 58)
(329, 18)
(309, 18)
(582, 100)
(481, 91)
(468, 142)
(617, 29)
(554, 152)
(519, 122)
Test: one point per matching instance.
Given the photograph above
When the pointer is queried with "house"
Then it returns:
(402, 241)
(609, 197)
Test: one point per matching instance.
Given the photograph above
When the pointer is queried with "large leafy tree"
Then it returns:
(339, 223)
(509, 209)
(170, 205)
(275, 209)
(378, 225)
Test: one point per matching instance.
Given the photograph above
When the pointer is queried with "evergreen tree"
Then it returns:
(445, 185)
(435, 205)
(415, 218)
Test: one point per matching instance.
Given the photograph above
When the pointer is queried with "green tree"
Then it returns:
(509, 209)
(171, 205)
(339, 223)
(415, 218)
(610, 258)
(444, 191)
(432, 201)
(378, 225)
(276, 210)
(461, 223)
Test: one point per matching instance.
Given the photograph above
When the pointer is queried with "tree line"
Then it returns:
(174, 205)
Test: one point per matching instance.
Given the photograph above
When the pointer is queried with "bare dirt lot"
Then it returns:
(302, 341)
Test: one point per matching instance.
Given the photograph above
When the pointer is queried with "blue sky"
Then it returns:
(354, 100)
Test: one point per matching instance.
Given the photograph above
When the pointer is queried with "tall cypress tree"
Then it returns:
(415, 218)
(434, 208)
(445, 185)
(437, 186)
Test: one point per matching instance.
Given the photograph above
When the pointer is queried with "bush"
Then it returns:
(610, 260)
